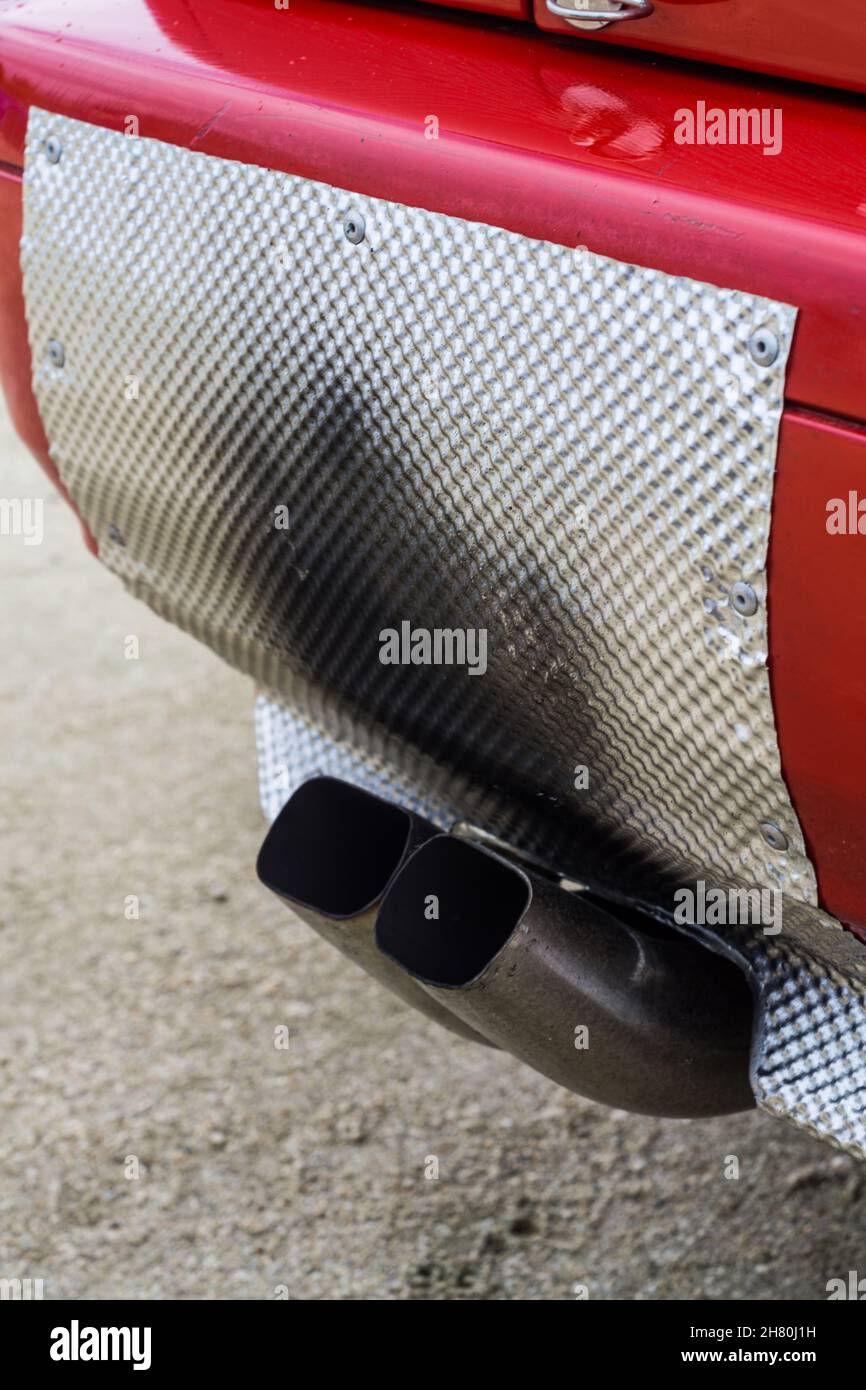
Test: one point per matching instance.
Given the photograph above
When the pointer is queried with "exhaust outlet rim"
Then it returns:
(291, 820)
(449, 846)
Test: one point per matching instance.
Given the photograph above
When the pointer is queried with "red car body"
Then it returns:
(568, 139)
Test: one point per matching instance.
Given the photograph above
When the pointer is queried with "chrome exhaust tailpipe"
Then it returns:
(330, 854)
(636, 1016)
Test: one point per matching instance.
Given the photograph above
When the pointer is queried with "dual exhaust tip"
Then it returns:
(614, 1007)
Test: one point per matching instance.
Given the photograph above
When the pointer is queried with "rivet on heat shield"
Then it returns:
(355, 227)
(56, 354)
(53, 149)
(743, 599)
(773, 836)
(764, 347)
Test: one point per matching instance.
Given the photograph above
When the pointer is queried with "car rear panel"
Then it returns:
(570, 145)
(225, 340)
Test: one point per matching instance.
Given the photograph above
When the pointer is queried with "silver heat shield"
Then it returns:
(288, 440)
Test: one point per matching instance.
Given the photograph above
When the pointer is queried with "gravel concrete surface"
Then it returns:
(147, 1045)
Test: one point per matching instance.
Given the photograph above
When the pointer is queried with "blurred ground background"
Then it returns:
(300, 1170)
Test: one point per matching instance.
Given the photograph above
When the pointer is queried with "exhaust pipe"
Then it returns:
(638, 1017)
(330, 854)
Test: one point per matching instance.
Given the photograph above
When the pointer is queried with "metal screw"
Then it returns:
(53, 149)
(56, 354)
(764, 347)
(774, 837)
(355, 228)
(743, 599)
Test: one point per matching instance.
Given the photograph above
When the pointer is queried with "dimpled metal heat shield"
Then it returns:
(287, 440)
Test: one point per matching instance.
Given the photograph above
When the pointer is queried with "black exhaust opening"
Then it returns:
(333, 848)
(450, 911)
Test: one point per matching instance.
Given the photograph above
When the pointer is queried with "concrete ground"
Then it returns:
(156, 1144)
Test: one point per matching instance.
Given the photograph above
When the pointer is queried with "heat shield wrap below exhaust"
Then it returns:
(287, 441)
